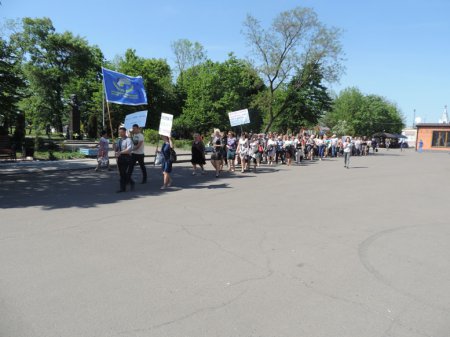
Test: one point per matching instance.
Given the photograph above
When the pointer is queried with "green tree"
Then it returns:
(188, 54)
(158, 83)
(295, 39)
(52, 62)
(11, 84)
(354, 113)
(305, 100)
(213, 89)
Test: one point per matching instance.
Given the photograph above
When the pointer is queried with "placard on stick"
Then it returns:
(239, 117)
(139, 118)
(165, 126)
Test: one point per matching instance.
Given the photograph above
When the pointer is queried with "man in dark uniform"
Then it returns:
(123, 149)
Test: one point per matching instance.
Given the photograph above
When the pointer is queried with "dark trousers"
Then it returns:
(279, 156)
(140, 159)
(124, 164)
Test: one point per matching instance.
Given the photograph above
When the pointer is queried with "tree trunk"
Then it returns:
(271, 119)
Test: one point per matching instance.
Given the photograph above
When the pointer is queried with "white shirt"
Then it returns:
(288, 143)
(272, 143)
(243, 146)
(136, 139)
(334, 141)
(347, 147)
(124, 145)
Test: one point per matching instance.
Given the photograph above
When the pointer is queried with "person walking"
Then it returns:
(280, 154)
(217, 155)
(253, 152)
(198, 154)
(310, 144)
(243, 149)
(320, 146)
(103, 148)
(347, 152)
(123, 149)
(167, 162)
(231, 150)
(334, 143)
(137, 155)
(288, 147)
(271, 149)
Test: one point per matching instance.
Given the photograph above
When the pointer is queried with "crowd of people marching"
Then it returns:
(251, 150)
(230, 152)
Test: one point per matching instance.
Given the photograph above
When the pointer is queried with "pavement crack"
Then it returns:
(187, 316)
(363, 253)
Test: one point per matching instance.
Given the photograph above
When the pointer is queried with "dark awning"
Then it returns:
(388, 135)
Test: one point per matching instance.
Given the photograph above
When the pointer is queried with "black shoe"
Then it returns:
(120, 191)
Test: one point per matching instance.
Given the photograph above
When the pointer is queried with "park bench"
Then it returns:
(6, 149)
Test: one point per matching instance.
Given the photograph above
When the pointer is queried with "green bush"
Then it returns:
(182, 143)
(151, 136)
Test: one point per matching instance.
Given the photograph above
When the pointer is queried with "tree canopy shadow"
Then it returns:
(87, 188)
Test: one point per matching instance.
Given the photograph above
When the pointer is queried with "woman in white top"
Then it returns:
(253, 152)
(243, 151)
(347, 152)
(271, 149)
(320, 147)
(288, 149)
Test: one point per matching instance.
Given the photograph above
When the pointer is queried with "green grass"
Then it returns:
(58, 155)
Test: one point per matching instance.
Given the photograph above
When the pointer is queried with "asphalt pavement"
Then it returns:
(314, 250)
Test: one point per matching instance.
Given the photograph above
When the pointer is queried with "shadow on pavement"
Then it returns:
(86, 188)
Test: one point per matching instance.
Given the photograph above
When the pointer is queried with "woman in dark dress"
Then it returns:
(217, 155)
(198, 154)
(167, 163)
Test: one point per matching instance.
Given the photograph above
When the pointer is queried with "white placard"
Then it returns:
(165, 126)
(139, 118)
(239, 117)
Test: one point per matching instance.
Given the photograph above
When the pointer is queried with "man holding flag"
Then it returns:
(127, 90)
(123, 149)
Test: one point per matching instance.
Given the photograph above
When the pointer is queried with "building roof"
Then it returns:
(433, 125)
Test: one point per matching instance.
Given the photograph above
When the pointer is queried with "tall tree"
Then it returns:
(354, 113)
(188, 54)
(306, 100)
(52, 61)
(215, 88)
(295, 39)
(11, 84)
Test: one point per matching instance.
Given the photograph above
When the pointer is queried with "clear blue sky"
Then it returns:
(399, 49)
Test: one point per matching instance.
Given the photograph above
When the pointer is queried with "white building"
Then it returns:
(410, 135)
(444, 117)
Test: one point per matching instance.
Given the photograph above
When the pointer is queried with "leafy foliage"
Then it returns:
(283, 87)
(212, 90)
(296, 39)
(55, 66)
(158, 84)
(11, 84)
(354, 113)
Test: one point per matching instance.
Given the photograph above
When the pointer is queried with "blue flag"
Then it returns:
(123, 89)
